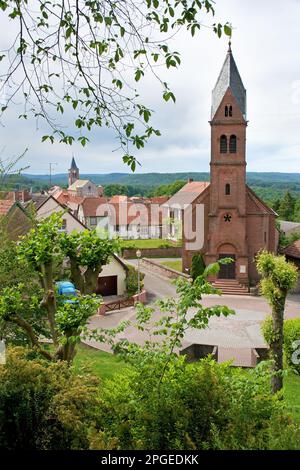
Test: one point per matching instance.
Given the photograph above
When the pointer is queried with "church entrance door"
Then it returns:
(227, 271)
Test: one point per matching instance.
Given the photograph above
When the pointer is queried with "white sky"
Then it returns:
(265, 46)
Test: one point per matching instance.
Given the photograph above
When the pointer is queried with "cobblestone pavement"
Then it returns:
(241, 330)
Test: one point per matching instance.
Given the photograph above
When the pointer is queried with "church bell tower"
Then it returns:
(227, 211)
(73, 172)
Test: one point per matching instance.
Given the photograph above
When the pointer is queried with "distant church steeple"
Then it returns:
(73, 172)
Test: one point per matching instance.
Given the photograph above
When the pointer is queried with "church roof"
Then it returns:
(78, 184)
(187, 194)
(73, 165)
(229, 78)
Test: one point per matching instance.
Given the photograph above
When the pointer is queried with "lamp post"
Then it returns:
(138, 255)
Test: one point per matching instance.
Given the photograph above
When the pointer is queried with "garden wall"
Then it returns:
(162, 270)
(171, 252)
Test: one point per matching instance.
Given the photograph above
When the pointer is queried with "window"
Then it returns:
(226, 111)
(227, 189)
(232, 144)
(223, 144)
(93, 220)
(230, 111)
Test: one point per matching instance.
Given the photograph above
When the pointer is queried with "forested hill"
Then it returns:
(290, 180)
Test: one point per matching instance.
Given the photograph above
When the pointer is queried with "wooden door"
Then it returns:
(227, 271)
(107, 285)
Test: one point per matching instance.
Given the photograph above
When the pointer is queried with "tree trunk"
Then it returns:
(91, 280)
(31, 335)
(49, 300)
(277, 347)
(76, 275)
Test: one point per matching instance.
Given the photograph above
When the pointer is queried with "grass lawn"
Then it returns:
(148, 243)
(100, 363)
(105, 365)
(292, 394)
(176, 264)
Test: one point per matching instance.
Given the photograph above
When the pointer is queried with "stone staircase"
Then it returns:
(230, 287)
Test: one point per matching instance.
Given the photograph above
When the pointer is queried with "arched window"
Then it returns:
(223, 144)
(227, 189)
(230, 110)
(232, 144)
(226, 111)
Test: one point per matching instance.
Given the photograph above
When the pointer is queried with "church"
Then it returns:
(237, 223)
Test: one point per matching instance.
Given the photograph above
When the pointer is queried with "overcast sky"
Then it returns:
(265, 46)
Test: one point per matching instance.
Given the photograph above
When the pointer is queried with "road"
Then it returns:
(241, 330)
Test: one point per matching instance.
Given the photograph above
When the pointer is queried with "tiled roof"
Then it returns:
(5, 205)
(118, 198)
(187, 194)
(94, 206)
(293, 250)
(229, 78)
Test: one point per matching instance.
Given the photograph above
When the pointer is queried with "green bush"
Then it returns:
(198, 266)
(132, 281)
(192, 406)
(291, 333)
(43, 405)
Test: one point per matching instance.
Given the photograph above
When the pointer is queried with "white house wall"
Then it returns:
(114, 268)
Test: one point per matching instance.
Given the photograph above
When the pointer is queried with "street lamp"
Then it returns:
(138, 255)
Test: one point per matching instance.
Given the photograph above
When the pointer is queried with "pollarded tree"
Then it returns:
(85, 59)
(41, 248)
(278, 278)
(88, 253)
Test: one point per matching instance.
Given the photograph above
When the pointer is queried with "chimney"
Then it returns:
(190, 180)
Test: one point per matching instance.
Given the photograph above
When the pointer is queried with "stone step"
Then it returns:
(230, 287)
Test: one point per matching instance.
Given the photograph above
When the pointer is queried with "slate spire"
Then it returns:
(73, 164)
(229, 78)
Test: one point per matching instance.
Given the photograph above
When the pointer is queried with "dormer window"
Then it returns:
(226, 111)
(223, 144)
(230, 111)
(232, 144)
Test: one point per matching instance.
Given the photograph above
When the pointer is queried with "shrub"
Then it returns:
(132, 281)
(291, 333)
(194, 406)
(44, 405)
(198, 266)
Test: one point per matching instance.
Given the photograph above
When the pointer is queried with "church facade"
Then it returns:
(236, 222)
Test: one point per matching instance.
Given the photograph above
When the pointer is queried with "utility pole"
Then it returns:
(50, 172)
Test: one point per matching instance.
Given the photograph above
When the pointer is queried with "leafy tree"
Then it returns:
(287, 207)
(297, 211)
(85, 58)
(41, 248)
(169, 189)
(88, 253)
(132, 280)
(278, 278)
(15, 272)
(198, 266)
